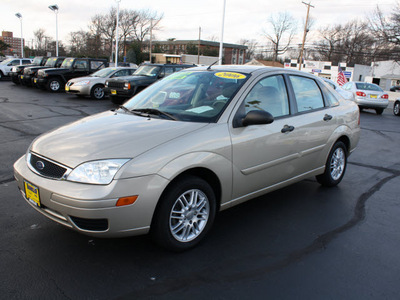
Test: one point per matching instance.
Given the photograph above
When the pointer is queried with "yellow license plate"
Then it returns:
(32, 193)
(22, 76)
(113, 92)
(373, 96)
(35, 80)
(67, 88)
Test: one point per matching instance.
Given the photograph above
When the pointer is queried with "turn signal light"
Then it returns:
(361, 94)
(126, 200)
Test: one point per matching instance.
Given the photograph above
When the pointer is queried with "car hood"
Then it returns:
(108, 135)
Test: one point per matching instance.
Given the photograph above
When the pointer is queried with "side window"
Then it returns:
(121, 73)
(168, 71)
(81, 64)
(15, 62)
(96, 65)
(331, 99)
(26, 62)
(308, 95)
(347, 86)
(270, 95)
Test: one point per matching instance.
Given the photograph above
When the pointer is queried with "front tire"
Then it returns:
(335, 166)
(396, 108)
(97, 92)
(184, 215)
(54, 85)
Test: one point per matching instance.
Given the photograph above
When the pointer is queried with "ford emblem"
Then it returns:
(40, 165)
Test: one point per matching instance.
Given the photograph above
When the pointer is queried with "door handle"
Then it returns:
(287, 128)
(327, 117)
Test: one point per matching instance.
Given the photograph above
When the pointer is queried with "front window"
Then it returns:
(150, 71)
(192, 96)
(67, 63)
(37, 60)
(51, 62)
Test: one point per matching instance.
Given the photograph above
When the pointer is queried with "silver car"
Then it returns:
(93, 84)
(197, 142)
(368, 95)
(345, 94)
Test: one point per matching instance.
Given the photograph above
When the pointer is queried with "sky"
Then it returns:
(244, 19)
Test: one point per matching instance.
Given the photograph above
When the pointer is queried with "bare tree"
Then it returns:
(283, 28)
(251, 47)
(41, 40)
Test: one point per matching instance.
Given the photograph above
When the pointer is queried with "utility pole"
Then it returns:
(151, 38)
(305, 33)
(198, 47)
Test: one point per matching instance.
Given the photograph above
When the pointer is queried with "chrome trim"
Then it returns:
(32, 168)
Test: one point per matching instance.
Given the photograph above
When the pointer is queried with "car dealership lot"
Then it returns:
(301, 241)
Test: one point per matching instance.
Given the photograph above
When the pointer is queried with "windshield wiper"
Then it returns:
(156, 112)
(133, 112)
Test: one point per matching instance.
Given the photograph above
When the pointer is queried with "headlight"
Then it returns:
(97, 172)
(84, 82)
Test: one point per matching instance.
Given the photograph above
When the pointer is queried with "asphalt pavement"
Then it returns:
(301, 242)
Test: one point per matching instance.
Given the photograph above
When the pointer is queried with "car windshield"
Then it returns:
(103, 73)
(37, 60)
(67, 63)
(368, 87)
(51, 62)
(147, 71)
(191, 96)
(4, 62)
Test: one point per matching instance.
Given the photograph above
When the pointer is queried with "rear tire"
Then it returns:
(379, 111)
(184, 215)
(396, 108)
(335, 166)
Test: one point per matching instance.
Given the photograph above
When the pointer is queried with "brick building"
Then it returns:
(15, 44)
(232, 53)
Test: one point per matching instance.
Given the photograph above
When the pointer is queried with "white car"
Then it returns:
(6, 65)
(368, 95)
(93, 84)
(345, 94)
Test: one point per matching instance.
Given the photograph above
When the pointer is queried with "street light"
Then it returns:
(19, 16)
(55, 9)
(116, 35)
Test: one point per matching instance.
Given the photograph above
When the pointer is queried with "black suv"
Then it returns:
(122, 88)
(54, 79)
(29, 74)
(17, 71)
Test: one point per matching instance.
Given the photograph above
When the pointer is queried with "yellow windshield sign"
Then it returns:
(230, 75)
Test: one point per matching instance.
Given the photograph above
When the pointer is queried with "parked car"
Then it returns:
(17, 71)
(368, 95)
(395, 88)
(7, 64)
(345, 94)
(30, 73)
(198, 141)
(54, 79)
(93, 85)
(121, 89)
(396, 107)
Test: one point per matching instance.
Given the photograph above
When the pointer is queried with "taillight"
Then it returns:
(385, 96)
(361, 94)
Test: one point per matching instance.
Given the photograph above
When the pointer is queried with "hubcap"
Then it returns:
(337, 163)
(189, 215)
(54, 85)
(98, 93)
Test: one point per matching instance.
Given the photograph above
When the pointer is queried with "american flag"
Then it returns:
(341, 79)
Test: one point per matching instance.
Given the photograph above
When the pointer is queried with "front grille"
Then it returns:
(116, 84)
(90, 224)
(46, 168)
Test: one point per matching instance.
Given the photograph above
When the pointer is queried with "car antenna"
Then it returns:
(209, 67)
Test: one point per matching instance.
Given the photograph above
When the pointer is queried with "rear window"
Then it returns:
(368, 87)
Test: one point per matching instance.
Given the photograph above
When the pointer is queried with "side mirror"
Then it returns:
(254, 117)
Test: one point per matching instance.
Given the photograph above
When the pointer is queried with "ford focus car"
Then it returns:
(199, 141)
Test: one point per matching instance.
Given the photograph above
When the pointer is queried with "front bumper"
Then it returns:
(91, 209)
(83, 90)
(118, 92)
